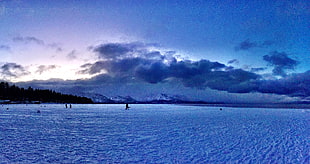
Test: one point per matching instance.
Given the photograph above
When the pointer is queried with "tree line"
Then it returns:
(17, 94)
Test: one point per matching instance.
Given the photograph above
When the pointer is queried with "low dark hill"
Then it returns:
(22, 95)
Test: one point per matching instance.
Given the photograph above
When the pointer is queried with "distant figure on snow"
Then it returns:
(221, 109)
(70, 106)
(66, 106)
(127, 107)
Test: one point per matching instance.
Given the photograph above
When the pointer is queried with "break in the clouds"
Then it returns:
(281, 62)
(12, 70)
(248, 44)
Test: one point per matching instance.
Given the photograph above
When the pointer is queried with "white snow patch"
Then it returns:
(152, 134)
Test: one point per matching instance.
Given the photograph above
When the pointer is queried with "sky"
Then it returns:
(229, 51)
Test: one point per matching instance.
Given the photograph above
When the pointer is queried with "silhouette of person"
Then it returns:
(127, 107)
(70, 106)
(66, 106)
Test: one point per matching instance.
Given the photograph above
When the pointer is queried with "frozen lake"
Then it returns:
(153, 134)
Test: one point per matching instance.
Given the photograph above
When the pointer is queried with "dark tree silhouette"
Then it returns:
(14, 93)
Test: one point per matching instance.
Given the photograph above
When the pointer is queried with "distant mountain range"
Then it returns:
(154, 99)
(13, 94)
(178, 99)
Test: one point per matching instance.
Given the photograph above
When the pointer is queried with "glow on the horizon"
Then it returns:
(60, 72)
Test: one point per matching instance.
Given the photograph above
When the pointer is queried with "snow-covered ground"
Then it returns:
(152, 134)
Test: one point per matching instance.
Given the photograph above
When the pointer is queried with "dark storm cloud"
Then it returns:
(233, 81)
(281, 62)
(126, 62)
(200, 74)
(292, 85)
(197, 74)
(247, 44)
(123, 67)
(112, 51)
(12, 70)
(43, 68)
(138, 61)
(5, 47)
(153, 73)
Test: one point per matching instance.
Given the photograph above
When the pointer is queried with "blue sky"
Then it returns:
(265, 43)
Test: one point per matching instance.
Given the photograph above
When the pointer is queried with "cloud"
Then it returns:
(123, 62)
(293, 85)
(112, 50)
(44, 68)
(123, 67)
(72, 55)
(198, 74)
(92, 69)
(28, 39)
(55, 46)
(281, 62)
(137, 65)
(154, 66)
(9, 70)
(233, 61)
(257, 69)
(34, 40)
(5, 47)
(154, 73)
(247, 44)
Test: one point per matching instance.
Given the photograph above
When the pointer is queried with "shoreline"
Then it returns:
(287, 106)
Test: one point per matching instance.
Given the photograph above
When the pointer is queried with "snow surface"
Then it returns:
(152, 134)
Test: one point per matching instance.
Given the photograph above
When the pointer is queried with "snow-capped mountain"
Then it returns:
(159, 98)
(165, 98)
(123, 99)
(98, 98)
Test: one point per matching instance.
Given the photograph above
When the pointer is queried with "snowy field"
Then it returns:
(153, 134)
